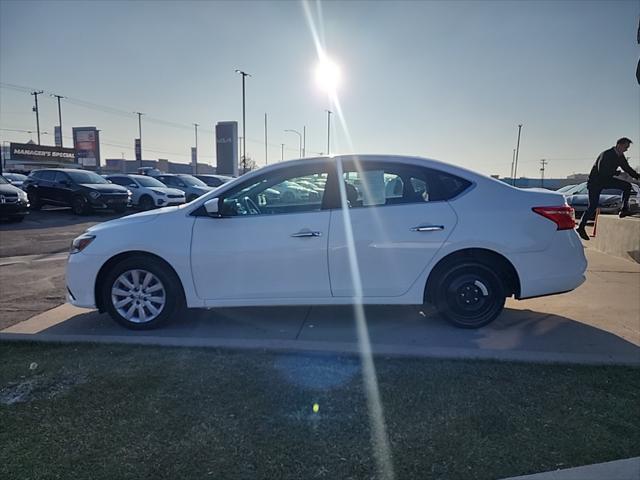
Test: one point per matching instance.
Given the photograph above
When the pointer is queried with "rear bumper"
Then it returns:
(559, 269)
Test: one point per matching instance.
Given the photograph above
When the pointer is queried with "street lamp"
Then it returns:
(244, 124)
(299, 138)
(329, 112)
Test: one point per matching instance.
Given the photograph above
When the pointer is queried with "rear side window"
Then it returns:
(445, 186)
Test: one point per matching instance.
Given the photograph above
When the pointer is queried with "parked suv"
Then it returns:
(82, 190)
(148, 192)
(213, 180)
(190, 185)
(13, 201)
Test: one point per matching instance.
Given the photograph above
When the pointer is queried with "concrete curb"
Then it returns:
(627, 469)
(344, 348)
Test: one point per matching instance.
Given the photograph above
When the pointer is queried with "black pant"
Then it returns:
(596, 187)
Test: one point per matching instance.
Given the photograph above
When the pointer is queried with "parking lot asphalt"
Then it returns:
(597, 323)
(32, 258)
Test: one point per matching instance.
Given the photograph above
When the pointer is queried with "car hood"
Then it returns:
(167, 190)
(105, 188)
(8, 188)
(140, 217)
(585, 198)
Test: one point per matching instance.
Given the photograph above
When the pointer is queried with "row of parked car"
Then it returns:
(610, 201)
(86, 191)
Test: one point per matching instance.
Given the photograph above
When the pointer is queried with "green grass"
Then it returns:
(102, 412)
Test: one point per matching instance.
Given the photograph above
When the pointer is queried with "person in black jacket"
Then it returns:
(601, 177)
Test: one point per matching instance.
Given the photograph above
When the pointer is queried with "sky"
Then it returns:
(446, 80)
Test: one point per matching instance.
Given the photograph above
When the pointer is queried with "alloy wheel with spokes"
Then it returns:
(138, 295)
(141, 292)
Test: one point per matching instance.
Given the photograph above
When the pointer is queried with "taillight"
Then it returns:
(564, 217)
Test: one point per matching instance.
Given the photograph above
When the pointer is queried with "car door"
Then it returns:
(46, 183)
(397, 222)
(61, 190)
(263, 247)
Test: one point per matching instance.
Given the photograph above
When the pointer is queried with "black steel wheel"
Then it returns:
(469, 294)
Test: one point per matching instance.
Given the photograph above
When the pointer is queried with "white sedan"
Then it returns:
(454, 238)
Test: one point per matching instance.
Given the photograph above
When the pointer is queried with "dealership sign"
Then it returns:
(86, 141)
(41, 153)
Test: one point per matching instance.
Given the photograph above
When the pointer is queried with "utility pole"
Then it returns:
(543, 162)
(515, 170)
(282, 157)
(244, 124)
(59, 117)
(266, 159)
(35, 109)
(304, 141)
(140, 135)
(329, 112)
(196, 165)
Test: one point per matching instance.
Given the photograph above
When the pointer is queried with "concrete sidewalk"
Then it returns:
(597, 324)
(628, 469)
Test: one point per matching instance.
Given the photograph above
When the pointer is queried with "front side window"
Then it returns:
(148, 182)
(61, 177)
(192, 181)
(278, 193)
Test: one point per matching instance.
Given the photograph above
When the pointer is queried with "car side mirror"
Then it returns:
(212, 207)
(133, 185)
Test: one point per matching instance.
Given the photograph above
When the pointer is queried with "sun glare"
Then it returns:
(328, 75)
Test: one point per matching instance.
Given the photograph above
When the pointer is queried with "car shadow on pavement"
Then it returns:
(408, 329)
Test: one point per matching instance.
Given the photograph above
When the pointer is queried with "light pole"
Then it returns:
(329, 112)
(244, 124)
(196, 162)
(299, 138)
(35, 109)
(515, 170)
(282, 154)
(304, 141)
(543, 162)
(59, 117)
(140, 136)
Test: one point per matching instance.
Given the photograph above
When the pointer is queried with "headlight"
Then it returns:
(158, 192)
(129, 193)
(95, 195)
(80, 243)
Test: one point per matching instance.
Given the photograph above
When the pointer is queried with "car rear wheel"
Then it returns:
(469, 294)
(79, 205)
(141, 293)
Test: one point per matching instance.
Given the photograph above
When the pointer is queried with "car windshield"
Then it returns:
(3, 180)
(86, 177)
(192, 181)
(149, 181)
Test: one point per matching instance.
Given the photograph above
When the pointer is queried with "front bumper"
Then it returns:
(81, 274)
(102, 203)
(14, 208)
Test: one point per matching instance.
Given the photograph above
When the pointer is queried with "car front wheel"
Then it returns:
(79, 205)
(141, 293)
(469, 294)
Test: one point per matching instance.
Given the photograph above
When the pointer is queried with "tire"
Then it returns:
(469, 294)
(79, 205)
(167, 298)
(146, 203)
(34, 200)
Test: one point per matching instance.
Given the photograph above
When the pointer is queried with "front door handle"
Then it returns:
(427, 228)
(306, 233)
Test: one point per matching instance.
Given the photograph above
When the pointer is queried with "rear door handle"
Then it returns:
(306, 233)
(427, 228)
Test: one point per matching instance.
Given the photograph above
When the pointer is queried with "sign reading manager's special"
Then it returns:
(40, 153)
